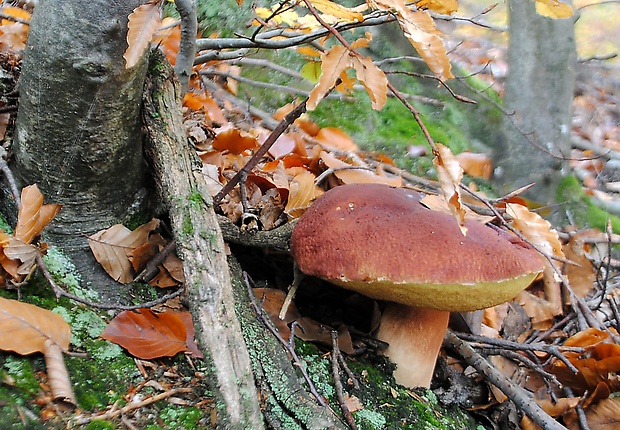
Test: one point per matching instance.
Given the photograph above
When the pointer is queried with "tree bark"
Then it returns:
(539, 93)
(201, 247)
(78, 126)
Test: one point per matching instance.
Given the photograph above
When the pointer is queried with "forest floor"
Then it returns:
(117, 390)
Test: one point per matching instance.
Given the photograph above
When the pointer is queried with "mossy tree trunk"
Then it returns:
(78, 129)
(538, 97)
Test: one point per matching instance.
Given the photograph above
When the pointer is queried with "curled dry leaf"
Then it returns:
(334, 9)
(438, 203)
(302, 192)
(33, 215)
(373, 79)
(476, 165)
(143, 23)
(112, 247)
(233, 140)
(450, 175)
(536, 229)
(446, 7)
(334, 62)
(350, 174)
(147, 335)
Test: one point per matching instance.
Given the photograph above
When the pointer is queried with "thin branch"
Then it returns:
(518, 395)
(187, 48)
(348, 416)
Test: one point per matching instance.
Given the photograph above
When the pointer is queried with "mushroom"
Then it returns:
(383, 243)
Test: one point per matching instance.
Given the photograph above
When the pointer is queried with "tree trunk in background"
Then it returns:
(78, 131)
(539, 90)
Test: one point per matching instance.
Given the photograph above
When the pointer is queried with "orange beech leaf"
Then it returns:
(450, 175)
(604, 415)
(334, 138)
(190, 340)
(445, 7)
(581, 275)
(308, 51)
(16, 12)
(334, 62)
(24, 328)
(418, 26)
(233, 140)
(33, 215)
(147, 335)
(476, 165)
(209, 106)
(349, 174)
(536, 229)
(283, 145)
(143, 23)
(438, 203)
(112, 247)
(553, 9)
(373, 79)
(271, 300)
(334, 9)
(302, 192)
(24, 252)
(169, 40)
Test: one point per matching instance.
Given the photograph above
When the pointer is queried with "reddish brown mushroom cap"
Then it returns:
(382, 242)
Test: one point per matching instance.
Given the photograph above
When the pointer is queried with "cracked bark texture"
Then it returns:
(78, 126)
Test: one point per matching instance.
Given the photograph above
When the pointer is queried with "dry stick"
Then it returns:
(338, 383)
(517, 394)
(247, 169)
(187, 48)
(133, 406)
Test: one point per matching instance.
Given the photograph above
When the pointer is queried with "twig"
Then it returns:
(260, 153)
(517, 394)
(286, 344)
(133, 406)
(187, 49)
(338, 383)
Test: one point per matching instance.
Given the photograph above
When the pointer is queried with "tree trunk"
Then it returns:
(539, 93)
(78, 130)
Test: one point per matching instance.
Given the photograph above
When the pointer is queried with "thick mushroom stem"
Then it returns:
(414, 336)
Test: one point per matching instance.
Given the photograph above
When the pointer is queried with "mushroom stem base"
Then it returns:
(414, 336)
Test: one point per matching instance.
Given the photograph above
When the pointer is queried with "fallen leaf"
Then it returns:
(350, 174)
(476, 165)
(553, 9)
(143, 23)
(147, 335)
(33, 215)
(450, 175)
(302, 192)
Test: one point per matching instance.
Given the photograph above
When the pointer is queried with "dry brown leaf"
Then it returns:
(24, 252)
(476, 165)
(143, 23)
(582, 274)
(373, 79)
(148, 335)
(438, 203)
(420, 29)
(33, 215)
(334, 62)
(450, 175)
(24, 328)
(57, 374)
(4, 122)
(353, 403)
(349, 174)
(302, 192)
(536, 229)
(233, 140)
(336, 10)
(112, 247)
(336, 139)
(446, 7)
(553, 9)
(605, 415)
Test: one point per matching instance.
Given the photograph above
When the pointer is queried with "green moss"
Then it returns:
(100, 425)
(187, 227)
(581, 209)
(179, 417)
(65, 273)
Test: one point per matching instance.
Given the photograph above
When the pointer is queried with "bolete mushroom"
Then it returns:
(383, 243)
